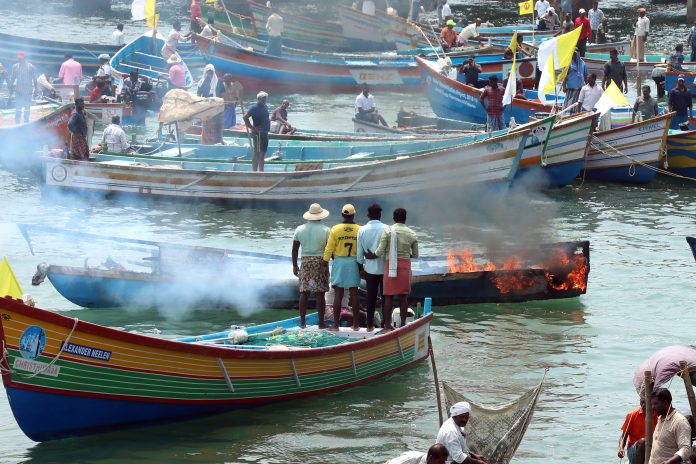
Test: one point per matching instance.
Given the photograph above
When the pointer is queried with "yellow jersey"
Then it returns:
(343, 241)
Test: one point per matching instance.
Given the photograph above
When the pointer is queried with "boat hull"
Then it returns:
(76, 363)
(681, 153)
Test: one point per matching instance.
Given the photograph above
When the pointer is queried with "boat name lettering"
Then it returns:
(377, 77)
(86, 351)
(36, 366)
(649, 127)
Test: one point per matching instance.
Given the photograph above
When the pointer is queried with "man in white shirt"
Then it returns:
(541, 6)
(590, 93)
(117, 35)
(209, 31)
(453, 437)
(470, 32)
(365, 108)
(640, 36)
(446, 11)
(373, 269)
(596, 16)
(104, 68)
(274, 26)
(114, 139)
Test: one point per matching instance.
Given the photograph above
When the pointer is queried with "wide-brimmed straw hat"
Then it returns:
(174, 59)
(315, 212)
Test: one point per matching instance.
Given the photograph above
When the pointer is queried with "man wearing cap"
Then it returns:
(642, 28)
(177, 73)
(614, 70)
(448, 36)
(494, 110)
(23, 84)
(342, 247)
(369, 236)
(680, 102)
(470, 32)
(453, 437)
(70, 71)
(584, 22)
(104, 68)
(312, 237)
(365, 108)
(258, 113)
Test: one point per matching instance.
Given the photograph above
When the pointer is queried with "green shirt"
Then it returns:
(312, 236)
(406, 242)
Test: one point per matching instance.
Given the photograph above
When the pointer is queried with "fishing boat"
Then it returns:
(65, 377)
(681, 153)
(628, 154)
(596, 61)
(227, 20)
(47, 127)
(380, 31)
(409, 122)
(499, 32)
(454, 171)
(144, 55)
(48, 55)
(692, 244)
(300, 31)
(452, 99)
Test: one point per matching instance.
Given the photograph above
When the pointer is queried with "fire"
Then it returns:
(563, 271)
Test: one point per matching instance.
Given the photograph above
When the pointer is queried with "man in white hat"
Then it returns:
(453, 437)
(314, 276)
(104, 68)
(258, 114)
(177, 73)
(640, 36)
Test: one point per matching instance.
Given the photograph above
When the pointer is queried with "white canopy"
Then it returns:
(181, 106)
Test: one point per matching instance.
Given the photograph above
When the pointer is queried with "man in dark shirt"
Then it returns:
(680, 101)
(279, 120)
(494, 93)
(471, 71)
(615, 70)
(645, 105)
(258, 112)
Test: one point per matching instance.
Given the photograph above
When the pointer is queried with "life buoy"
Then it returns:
(526, 69)
(59, 173)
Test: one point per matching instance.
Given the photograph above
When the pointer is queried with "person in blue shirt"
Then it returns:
(258, 114)
(676, 59)
(575, 79)
(372, 269)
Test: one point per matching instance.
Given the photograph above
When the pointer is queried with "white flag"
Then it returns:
(511, 87)
(138, 10)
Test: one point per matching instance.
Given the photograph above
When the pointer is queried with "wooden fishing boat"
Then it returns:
(380, 31)
(48, 55)
(407, 122)
(144, 55)
(692, 243)
(226, 19)
(628, 154)
(454, 171)
(452, 99)
(681, 153)
(508, 31)
(301, 32)
(59, 372)
(47, 127)
(596, 61)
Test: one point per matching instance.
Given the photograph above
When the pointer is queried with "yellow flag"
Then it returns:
(513, 42)
(548, 88)
(8, 281)
(611, 98)
(153, 21)
(526, 7)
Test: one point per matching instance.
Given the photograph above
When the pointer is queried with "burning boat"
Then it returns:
(558, 270)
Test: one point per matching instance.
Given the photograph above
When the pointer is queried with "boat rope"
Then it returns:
(55, 358)
(5, 359)
(606, 149)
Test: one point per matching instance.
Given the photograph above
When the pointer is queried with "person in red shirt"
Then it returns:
(448, 36)
(494, 110)
(196, 14)
(177, 73)
(584, 22)
(633, 435)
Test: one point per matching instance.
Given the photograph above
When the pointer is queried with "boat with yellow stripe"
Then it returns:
(65, 377)
(681, 153)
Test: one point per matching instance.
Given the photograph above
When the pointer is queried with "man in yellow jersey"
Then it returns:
(345, 272)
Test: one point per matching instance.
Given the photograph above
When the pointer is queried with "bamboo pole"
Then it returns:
(648, 390)
(689, 387)
(437, 382)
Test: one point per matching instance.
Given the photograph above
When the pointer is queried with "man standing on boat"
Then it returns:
(312, 237)
(70, 71)
(633, 435)
(117, 36)
(672, 438)
(196, 14)
(676, 59)
(258, 113)
(614, 70)
(342, 247)
(680, 102)
(23, 84)
(173, 38)
(494, 93)
(574, 81)
(274, 26)
(369, 236)
(691, 40)
(77, 125)
(233, 94)
(640, 36)
(596, 16)
(590, 93)
(584, 22)
(453, 437)
(365, 108)
(177, 73)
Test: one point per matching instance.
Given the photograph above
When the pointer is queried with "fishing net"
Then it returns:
(301, 338)
(496, 431)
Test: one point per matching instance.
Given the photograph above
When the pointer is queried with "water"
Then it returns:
(640, 299)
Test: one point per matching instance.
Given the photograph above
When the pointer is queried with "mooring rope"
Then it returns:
(48, 365)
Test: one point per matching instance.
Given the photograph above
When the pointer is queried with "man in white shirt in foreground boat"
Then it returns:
(114, 139)
(453, 437)
(365, 108)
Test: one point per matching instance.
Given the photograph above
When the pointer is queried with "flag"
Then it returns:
(556, 54)
(526, 7)
(511, 87)
(144, 9)
(8, 281)
(612, 97)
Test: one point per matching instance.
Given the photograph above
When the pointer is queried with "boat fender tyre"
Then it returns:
(526, 69)
(59, 173)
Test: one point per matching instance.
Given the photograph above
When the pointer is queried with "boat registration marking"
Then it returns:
(36, 366)
(86, 351)
(374, 76)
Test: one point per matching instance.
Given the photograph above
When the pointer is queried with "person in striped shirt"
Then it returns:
(23, 84)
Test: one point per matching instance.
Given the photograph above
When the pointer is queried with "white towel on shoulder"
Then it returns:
(393, 254)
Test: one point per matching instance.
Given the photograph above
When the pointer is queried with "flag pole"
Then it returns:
(638, 81)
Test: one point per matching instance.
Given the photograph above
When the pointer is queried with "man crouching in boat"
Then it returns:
(453, 437)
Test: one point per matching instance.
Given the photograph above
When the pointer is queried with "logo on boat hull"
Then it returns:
(32, 342)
